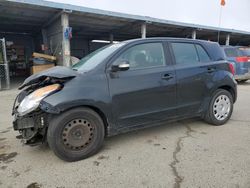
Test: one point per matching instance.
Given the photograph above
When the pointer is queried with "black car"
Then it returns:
(122, 87)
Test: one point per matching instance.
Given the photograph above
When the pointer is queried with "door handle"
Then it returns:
(211, 69)
(167, 76)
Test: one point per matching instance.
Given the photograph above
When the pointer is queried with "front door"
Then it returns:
(145, 93)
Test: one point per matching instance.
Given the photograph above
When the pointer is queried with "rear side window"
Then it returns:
(202, 54)
(185, 53)
(231, 52)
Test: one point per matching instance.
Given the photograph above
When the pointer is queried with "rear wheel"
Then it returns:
(76, 134)
(220, 108)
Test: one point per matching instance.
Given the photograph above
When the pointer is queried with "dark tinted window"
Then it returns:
(231, 52)
(202, 54)
(144, 56)
(185, 53)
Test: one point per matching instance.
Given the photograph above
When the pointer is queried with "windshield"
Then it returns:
(95, 58)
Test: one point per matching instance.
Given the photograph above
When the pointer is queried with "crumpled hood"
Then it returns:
(58, 72)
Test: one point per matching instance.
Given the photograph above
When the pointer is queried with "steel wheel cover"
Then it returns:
(221, 107)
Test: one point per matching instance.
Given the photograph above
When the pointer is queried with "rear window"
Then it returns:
(236, 52)
(244, 51)
(231, 52)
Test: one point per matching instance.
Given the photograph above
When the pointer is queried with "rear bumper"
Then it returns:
(245, 76)
(242, 71)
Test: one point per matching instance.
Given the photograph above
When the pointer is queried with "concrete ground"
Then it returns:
(189, 153)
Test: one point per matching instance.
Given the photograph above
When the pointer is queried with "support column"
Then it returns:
(228, 40)
(111, 38)
(45, 40)
(65, 41)
(143, 30)
(194, 34)
(6, 67)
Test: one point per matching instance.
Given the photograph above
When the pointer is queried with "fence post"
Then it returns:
(4, 65)
(7, 76)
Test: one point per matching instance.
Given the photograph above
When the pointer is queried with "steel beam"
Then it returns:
(65, 41)
(111, 38)
(143, 30)
(51, 20)
(194, 34)
(227, 40)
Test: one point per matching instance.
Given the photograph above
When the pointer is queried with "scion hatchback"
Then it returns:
(123, 87)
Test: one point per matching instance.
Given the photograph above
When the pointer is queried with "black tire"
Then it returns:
(56, 134)
(209, 117)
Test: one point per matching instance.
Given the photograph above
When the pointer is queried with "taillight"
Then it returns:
(231, 68)
(242, 59)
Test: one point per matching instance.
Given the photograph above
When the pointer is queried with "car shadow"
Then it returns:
(142, 135)
(244, 83)
(147, 133)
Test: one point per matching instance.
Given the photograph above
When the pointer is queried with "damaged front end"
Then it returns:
(31, 115)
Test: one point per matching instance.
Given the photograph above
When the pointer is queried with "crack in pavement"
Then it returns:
(178, 177)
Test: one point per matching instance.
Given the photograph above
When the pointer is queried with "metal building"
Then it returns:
(43, 26)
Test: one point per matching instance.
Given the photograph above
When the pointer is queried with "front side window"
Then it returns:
(185, 53)
(143, 56)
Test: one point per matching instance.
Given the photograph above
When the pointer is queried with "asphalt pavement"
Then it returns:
(187, 153)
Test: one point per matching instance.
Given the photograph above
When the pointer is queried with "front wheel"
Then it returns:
(76, 134)
(220, 108)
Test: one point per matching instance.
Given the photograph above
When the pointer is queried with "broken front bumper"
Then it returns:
(32, 127)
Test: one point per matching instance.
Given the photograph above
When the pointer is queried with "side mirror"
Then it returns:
(122, 66)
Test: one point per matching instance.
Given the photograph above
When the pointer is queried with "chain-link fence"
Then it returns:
(4, 68)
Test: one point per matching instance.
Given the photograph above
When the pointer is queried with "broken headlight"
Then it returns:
(32, 101)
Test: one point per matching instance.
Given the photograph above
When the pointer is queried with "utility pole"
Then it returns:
(222, 3)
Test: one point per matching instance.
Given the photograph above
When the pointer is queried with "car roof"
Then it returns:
(211, 47)
(167, 39)
(224, 46)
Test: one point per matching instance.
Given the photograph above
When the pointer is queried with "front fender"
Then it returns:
(81, 91)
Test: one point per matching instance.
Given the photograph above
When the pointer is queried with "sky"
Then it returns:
(234, 15)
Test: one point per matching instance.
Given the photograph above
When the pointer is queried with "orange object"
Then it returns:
(39, 68)
(222, 2)
(48, 57)
(44, 90)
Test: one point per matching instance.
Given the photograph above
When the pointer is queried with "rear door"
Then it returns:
(193, 70)
(145, 93)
